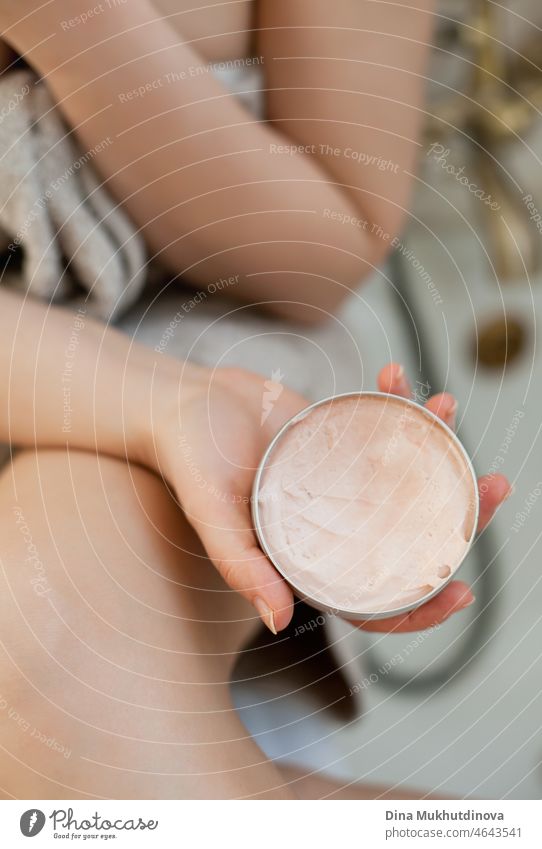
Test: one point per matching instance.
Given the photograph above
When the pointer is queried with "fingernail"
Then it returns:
(399, 372)
(266, 614)
(451, 415)
(510, 492)
(470, 600)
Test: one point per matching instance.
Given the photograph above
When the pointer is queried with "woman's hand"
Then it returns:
(208, 444)
(493, 490)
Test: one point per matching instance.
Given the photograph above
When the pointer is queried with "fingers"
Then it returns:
(444, 406)
(393, 380)
(454, 597)
(231, 544)
(493, 490)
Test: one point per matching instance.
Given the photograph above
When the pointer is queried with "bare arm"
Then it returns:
(214, 190)
(348, 76)
(69, 381)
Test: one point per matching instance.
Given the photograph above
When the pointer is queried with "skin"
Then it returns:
(123, 645)
(117, 643)
(124, 656)
(179, 420)
(117, 635)
(207, 183)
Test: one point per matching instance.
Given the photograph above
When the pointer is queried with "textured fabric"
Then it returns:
(207, 328)
(55, 212)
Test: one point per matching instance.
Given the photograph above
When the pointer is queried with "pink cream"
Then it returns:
(367, 504)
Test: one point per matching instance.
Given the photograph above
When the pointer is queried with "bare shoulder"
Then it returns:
(357, 16)
(318, 12)
(220, 30)
(348, 29)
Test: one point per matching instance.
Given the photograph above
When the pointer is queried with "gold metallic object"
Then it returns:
(500, 341)
(501, 102)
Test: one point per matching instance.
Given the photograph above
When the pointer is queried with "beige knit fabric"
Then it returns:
(55, 212)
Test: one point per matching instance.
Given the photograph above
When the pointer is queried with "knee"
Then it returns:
(58, 482)
(49, 464)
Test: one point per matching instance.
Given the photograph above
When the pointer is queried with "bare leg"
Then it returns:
(117, 639)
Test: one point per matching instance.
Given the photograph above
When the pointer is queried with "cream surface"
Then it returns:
(367, 504)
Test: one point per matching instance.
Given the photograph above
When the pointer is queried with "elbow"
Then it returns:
(301, 270)
(326, 280)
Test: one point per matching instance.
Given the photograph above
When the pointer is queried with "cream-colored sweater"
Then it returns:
(58, 224)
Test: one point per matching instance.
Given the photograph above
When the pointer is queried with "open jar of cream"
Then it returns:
(366, 504)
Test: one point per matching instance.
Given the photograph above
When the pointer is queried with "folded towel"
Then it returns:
(55, 213)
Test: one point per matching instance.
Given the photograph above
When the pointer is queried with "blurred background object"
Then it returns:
(496, 104)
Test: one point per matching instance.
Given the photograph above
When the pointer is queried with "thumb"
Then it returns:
(230, 542)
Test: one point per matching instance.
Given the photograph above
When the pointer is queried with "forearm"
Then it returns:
(67, 380)
(350, 77)
(201, 178)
